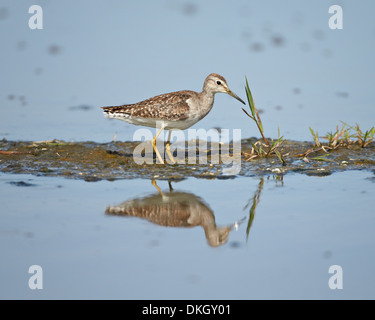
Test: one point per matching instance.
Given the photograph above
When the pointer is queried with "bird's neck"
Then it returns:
(207, 99)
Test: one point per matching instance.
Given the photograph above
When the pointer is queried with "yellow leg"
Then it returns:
(168, 148)
(154, 146)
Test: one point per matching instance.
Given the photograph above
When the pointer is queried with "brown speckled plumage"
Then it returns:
(171, 106)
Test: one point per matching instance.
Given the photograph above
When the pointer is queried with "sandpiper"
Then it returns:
(175, 110)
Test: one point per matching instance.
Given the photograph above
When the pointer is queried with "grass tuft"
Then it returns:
(261, 148)
(346, 136)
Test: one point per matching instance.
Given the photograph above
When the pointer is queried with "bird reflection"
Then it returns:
(175, 209)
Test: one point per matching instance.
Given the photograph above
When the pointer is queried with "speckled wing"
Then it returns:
(169, 106)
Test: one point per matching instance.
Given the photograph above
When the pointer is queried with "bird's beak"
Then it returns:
(234, 95)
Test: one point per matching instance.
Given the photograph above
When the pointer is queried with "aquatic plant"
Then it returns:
(259, 148)
(341, 137)
(363, 139)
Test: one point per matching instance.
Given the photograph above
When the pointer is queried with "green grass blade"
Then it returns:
(260, 125)
(278, 154)
(250, 98)
(313, 133)
(322, 158)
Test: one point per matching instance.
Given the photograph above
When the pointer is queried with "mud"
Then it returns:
(111, 161)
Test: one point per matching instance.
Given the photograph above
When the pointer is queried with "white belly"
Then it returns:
(153, 123)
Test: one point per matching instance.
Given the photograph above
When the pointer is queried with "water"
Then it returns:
(302, 226)
(95, 53)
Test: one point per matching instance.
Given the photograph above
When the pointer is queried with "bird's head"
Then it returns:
(216, 83)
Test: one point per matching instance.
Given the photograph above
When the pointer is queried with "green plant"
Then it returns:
(315, 137)
(334, 137)
(254, 112)
(363, 139)
(339, 138)
(259, 148)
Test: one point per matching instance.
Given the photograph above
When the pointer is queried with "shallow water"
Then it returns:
(301, 72)
(183, 244)
(301, 226)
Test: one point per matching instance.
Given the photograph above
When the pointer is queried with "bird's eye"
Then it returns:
(218, 82)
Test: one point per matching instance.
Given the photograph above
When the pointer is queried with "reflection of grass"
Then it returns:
(259, 148)
(254, 202)
(341, 137)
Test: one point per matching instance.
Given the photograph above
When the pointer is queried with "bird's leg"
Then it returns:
(154, 146)
(168, 147)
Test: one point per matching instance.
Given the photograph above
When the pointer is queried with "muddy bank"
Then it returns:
(110, 161)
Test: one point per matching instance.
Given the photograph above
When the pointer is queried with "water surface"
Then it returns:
(301, 226)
